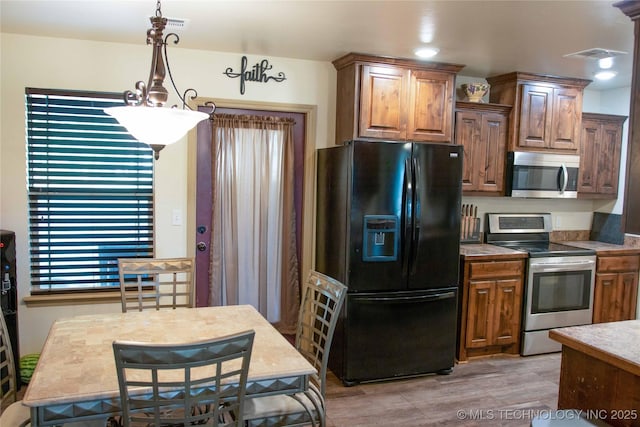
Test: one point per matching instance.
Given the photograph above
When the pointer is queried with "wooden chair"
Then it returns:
(180, 377)
(15, 414)
(322, 299)
(155, 283)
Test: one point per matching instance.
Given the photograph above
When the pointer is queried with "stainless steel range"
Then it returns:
(560, 278)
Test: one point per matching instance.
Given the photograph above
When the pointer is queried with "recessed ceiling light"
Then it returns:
(426, 52)
(605, 75)
(605, 63)
(595, 53)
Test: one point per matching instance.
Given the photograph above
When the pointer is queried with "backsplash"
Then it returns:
(606, 228)
(566, 235)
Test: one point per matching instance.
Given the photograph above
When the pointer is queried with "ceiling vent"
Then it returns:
(595, 53)
(176, 24)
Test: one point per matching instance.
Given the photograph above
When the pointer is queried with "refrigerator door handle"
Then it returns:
(407, 217)
(407, 299)
(417, 207)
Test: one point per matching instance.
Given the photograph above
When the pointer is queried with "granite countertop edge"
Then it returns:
(489, 251)
(480, 251)
(603, 248)
(604, 341)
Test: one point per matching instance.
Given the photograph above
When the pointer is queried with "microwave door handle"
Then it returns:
(549, 267)
(565, 178)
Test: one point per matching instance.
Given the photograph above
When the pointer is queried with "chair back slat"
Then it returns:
(184, 384)
(322, 300)
(156, 283)
(7, 368)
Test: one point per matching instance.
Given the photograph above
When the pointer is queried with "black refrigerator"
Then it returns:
(388, 227)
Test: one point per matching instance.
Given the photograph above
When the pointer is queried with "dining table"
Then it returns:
(75, 378)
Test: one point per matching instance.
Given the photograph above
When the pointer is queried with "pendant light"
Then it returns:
(145, 115)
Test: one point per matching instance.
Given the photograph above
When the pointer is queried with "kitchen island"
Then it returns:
(600, 370)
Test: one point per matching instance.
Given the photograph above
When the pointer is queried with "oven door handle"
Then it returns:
(551, 266)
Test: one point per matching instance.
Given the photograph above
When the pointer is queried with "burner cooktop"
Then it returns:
(528, 233)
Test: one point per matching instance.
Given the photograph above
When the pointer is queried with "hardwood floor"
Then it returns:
(496, 391)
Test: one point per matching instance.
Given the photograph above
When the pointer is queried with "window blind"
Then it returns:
(90, 187)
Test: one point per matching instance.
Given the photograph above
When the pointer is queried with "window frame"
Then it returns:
(85, 174)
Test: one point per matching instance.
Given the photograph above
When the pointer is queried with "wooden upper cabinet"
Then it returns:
(482, 130)
(535, 116)
(430, 112)
(547, 110)
(382, 105)
(566, 119)
(394, 99)
(600, 148)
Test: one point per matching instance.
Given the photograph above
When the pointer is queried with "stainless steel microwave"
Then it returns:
(542, 175)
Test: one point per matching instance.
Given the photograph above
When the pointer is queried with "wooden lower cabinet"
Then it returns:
(616, 288)
(491, 308)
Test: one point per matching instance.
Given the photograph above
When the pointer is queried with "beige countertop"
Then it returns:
(602, 248)
(480, 251)
(614, 342)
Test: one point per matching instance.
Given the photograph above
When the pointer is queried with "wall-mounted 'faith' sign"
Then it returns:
(257, 73)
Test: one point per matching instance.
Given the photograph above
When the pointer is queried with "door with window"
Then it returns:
(230, 182)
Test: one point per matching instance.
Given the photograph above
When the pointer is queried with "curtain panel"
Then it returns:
(253, 243)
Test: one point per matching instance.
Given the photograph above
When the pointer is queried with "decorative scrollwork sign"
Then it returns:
(257, 73)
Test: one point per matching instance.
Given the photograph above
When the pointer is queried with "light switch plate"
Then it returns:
(176, 217)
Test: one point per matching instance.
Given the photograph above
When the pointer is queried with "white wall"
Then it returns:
(28, 61)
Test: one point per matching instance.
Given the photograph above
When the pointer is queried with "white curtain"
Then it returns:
(253, 218)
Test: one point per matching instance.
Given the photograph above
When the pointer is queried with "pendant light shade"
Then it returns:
(156, 126)
(145, 115)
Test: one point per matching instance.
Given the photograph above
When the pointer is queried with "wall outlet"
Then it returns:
(558, 222)
(176, 217)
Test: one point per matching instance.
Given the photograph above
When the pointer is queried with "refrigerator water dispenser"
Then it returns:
(380, 238)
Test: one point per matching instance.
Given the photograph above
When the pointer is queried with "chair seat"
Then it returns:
(16, 415)
(280, 410)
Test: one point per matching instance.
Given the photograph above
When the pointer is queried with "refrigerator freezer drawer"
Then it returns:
(400, 334)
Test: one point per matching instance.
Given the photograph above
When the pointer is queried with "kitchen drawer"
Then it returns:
(495, 269)
(618, 263)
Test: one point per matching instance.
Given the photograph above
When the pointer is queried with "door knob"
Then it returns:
(202, 246)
